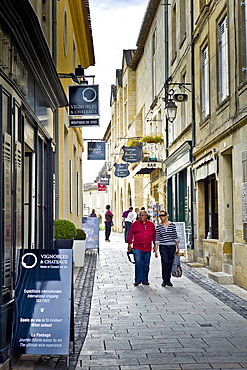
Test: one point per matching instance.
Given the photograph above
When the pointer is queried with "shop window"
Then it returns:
(211, 208)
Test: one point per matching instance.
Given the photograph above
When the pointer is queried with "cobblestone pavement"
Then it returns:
(196, 325)
(232, 300)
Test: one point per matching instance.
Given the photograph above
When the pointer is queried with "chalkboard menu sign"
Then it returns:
(42, 306)
(180, 226)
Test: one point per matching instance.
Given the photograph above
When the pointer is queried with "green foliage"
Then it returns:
(153, 138)
(133, 142)
(64, 229)
(80, 234)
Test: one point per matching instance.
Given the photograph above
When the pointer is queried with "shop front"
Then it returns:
(30, 94)
(179, 188)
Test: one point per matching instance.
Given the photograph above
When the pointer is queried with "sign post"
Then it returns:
(43, 302)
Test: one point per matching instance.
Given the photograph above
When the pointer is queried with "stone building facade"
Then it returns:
(196, 50)
(219, 164)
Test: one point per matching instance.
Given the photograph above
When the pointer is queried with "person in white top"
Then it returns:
(128, 222)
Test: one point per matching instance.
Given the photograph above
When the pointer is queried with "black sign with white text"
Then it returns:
(42, 306)
(84, 100)
(121, 169)
(132, 153)
(96, 150)
(82, 122)
(104, 179)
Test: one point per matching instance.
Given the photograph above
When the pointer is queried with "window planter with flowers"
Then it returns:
(153, 138)
(152, 146)
(133, 142)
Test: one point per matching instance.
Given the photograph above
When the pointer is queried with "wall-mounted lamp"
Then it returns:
(170, 107)
(171, 97)
(78, 77)
(171, 110)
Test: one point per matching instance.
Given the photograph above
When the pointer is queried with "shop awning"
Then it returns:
(145, 168)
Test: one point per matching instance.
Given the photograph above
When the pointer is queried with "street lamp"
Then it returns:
(171, 110)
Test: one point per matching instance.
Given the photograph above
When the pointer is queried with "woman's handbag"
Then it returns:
(176, 267)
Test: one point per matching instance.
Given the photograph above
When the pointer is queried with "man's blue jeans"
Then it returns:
(126, 230)
(142, 261)
(107, 229)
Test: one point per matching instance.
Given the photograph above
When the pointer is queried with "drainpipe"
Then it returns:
(193, 128)
(166, 66)
(54, 55)
(192, 74)
(54, 31)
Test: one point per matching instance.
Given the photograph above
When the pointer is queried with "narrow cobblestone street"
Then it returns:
(193, 325)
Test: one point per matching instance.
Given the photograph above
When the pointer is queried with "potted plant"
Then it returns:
(153, 138)
(65, 231)
(79, 248)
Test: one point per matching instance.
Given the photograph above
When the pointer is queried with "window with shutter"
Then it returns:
(223, 61)
(205, 82)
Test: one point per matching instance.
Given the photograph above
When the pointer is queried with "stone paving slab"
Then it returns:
(151, 324)
(151, 327)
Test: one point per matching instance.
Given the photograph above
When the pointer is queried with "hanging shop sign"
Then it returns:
(132, 154)
(96, 150)
(42, 306)
(121, 170)
(104, 179)
(82, 122)
(84, 100)
(91, 227)
(101, 187)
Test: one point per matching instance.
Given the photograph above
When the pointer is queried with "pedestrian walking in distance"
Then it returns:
(142, 236)
(148, 216)
(168, 242)
(108, 222)
(137, 213)
(93, 214)
(129, 218)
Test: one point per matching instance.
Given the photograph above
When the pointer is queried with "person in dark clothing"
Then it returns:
(128, 220)
(168, 242)
(137, 213)
(108, 222)
(93, 214)
(143, 209)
